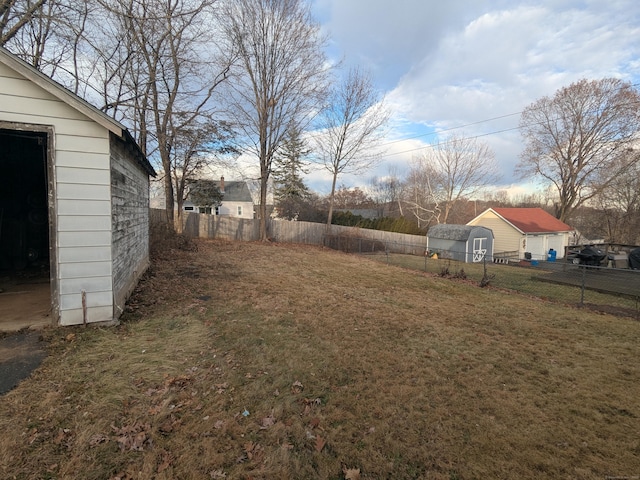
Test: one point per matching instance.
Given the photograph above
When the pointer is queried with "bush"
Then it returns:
(386, 224)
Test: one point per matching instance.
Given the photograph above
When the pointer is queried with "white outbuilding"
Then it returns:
(525, 233)
(74, 198)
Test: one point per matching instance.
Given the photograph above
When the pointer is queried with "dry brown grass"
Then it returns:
(343, 365)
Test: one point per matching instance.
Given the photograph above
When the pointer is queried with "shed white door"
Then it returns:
(479, 249)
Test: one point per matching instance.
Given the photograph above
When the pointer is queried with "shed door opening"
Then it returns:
(24, 227)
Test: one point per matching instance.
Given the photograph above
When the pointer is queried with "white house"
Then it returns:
(236, 201)
(525, 232)
(74, 197)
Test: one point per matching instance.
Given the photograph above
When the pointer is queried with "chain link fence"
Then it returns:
(605, 289)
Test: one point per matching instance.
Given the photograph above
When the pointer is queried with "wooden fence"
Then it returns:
(284, 231)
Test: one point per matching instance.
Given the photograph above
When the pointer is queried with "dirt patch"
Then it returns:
(614, 310)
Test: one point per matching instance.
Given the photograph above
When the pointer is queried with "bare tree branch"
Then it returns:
(574, 140)
(457, 168)
(279, 78)
(351, 127)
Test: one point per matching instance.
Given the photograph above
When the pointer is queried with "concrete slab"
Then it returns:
(25, 305)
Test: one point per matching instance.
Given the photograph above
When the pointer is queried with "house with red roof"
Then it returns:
(531, 232)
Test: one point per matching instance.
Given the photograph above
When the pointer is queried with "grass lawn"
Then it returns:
(252, 361)
(529, 281)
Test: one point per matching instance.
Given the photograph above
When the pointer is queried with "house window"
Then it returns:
(239, 210)
(187, 209)
(205, 210)
(217, 211)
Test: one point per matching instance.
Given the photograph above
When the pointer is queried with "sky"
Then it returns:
(470, 67)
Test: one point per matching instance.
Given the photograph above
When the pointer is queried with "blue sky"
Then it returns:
(474, 63)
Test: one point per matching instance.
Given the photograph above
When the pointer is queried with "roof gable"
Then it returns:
(235, 192)
(531, 220)
(74, 101)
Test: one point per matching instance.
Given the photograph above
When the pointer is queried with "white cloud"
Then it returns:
(461, 63)
(504, 59)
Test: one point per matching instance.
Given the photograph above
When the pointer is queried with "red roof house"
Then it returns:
(525, 232)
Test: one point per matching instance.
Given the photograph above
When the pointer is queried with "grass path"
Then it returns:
(251, 361)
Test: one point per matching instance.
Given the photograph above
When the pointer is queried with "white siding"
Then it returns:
(82, 179)
(231, 208)
(505, 237)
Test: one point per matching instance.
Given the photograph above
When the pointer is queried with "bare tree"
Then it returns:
(50, 40)
(387, 192)
(280, 76)
(418, 193)
(159, 79)
(575, 139)
(617, 207)
(351, 127)
(152, 65)
(457, 168)
(15, 14)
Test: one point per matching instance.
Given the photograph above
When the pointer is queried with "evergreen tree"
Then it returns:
(290, 191)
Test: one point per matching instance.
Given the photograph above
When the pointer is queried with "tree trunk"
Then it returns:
(331, 199)
(263, 208)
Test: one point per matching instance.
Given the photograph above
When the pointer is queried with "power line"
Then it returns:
(453, 128)
(451, 141)
(459, 127)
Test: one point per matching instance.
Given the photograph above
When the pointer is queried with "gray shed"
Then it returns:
(74, 200)
(465, 243)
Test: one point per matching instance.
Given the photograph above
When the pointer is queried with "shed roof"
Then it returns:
(532, 220)
(73, 100)
(452, 232)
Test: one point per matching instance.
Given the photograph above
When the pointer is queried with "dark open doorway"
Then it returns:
(24, 228)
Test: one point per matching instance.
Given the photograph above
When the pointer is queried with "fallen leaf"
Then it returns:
(253, 451)
(167, 460)
(315, 421)
(320, 443)
(132, 437)
(167, 426)
(218, 425)
(267, 422)
(351, 473)
(249, 446)
(97, 439)
(297, 387)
